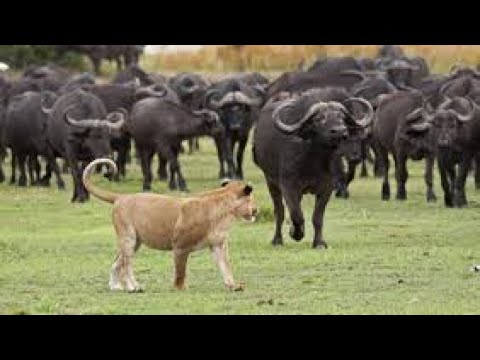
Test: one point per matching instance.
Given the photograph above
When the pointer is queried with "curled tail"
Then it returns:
(104, 195)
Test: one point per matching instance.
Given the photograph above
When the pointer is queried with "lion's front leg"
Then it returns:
(220, 254)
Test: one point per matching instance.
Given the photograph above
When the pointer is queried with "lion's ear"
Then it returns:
(247, 190)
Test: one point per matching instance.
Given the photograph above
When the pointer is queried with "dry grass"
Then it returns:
(226, 58)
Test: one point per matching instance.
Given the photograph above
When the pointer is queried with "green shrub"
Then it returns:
(21, 56)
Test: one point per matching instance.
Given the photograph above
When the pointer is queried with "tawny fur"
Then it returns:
(181, 225)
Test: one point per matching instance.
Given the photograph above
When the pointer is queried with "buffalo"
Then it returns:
(237, 104)
(295, 141)
(159, 126)
(79, 130)
(399, 129)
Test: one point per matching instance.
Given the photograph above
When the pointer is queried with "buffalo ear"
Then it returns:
(247, 190)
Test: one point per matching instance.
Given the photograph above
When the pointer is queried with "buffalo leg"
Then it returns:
(146, 156)
(22, 179)
(339, 176)
(65, 168)
(240, 151)
(13, 178)
(32, 165)
(378, 165)
(229, 157)
(429, 164)
(477, 171)
(293, 200)
(52, 164)
(172, 157)
(365, 154)
(401, 175)
(162, 168)
(447, 174)
(352, 166)
(122, 159)
(385, 163)
(3, 155)
(80, 193)
(278, 210)
(459, 197)
(317, 218)
(220, 145)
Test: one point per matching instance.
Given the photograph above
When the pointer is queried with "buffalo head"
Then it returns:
(326, 122)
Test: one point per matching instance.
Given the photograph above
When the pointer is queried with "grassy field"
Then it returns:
(384, 257)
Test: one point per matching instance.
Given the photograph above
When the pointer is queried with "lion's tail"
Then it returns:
(104, 195)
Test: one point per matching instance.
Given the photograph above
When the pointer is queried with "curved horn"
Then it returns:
(446, 103)
(420, 126)
(96, 123)
(367, 118)
(244, 99)
(359, 74)
(45, 109)
(211, 113)
(43, 99)
(235, 97)
(469, 115)
(405, 87)
(289, 129)
(159, 91)
(427, 112)
(415, 114)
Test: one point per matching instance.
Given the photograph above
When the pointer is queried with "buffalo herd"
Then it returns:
(310, 128)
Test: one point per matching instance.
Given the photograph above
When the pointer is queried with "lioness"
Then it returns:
(179, 224)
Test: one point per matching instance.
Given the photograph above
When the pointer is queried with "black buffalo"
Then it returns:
(79, 130)
(238, 105)
(295, 142)
(399, 129)
(158, 126)
(25, 135)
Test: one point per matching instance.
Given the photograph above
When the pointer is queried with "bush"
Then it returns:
(21, 56)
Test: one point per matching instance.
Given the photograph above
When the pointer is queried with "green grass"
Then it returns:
(384, 258)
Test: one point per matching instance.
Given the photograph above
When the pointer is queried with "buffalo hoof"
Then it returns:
(277, 241)
(342, 194)
(385, 192)
(45, 182)
(147, 188)
(297, 233)
(477, 185)
(172, 185)
(2, 177)
(431, 198)
(162, 177)
(364, 173)
(61, 185)
(448, 203)
(12, 181)
(401, 196)
(320, 245)
(22, 182)
(79, 199)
